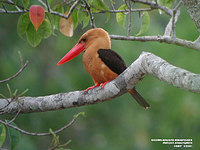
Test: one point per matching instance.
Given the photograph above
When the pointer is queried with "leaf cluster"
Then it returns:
(9, 137)
(78, 16)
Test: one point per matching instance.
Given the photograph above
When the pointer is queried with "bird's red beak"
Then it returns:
(77, 49)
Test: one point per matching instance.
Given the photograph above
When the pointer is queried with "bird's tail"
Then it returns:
(139, 98)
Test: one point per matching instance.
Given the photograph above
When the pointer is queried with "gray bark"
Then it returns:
(147, 63)
(193, 8)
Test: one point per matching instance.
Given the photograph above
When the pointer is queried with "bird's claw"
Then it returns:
(89, 88)
(102, 86)
(96, 85)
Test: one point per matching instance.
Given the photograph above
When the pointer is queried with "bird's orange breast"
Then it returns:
(97, 69)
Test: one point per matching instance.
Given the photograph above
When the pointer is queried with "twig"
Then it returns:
(68, 3)
(3, 108)
(42, 3)
(120, 11)
(178, 5)
(169, 28)
(10, 92)
(59, 14)
(18, 112)
(112, 4)
(67, 16)
(90, 14)
(154, 5)
(4, 112)
(15, 117)
(11, 3)
(69, 13)
(197, 41)
(48, 7)
(173, 25)
(14, 76)
(17, 8)
(175, 14)
(73, 7)
(62, 15)
(13, 12)
(20, 58)
(4, 7)
(129, 23)
(38, 134)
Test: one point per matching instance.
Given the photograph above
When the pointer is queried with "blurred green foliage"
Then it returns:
(114, 125)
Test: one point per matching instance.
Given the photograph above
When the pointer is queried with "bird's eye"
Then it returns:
(84, 39)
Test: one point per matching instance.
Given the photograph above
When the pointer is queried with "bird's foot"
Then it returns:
(96, 85)
(89, 88)
(102, 86)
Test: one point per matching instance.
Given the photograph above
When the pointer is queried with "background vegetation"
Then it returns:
(117, 124)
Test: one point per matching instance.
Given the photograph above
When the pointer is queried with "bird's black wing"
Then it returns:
(112, 60)
(117, 65)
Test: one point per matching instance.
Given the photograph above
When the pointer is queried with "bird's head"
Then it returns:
(93, 39)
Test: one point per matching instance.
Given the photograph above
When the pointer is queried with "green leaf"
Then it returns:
(167, 3)
(44, 31)
(25, 3)
(34, 37)
(50, 17)
(145, 23)
(83, 18)
(50, 2)
(58, 8)
(120, 17)
(2, 134)
(14, 136)
(22, 24)
(86, 21)
(75, 18)
(100, 4)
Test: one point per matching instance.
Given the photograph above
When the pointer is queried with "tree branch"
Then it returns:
(41, 2)
(11, 3)
(170, 28)
(147, 63)
(121, 11)
(193, 8)
(14, 76)
(90, 14)
(128, 4)
(39, 134)
(166, 39)
(155, 5)
(13, 12)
